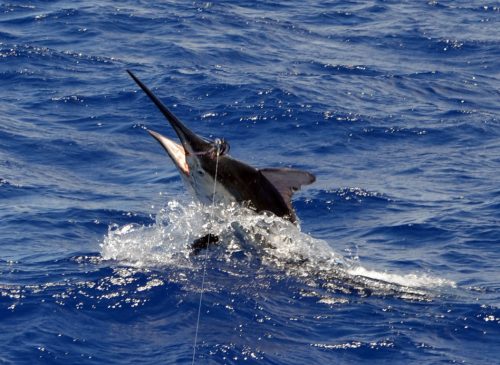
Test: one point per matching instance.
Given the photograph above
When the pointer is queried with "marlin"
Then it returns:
(203, 164)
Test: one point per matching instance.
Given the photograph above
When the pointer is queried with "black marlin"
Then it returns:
(269, 189)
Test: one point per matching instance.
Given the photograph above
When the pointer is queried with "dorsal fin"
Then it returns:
(288, 181)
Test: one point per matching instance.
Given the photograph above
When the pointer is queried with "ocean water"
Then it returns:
(394, 106)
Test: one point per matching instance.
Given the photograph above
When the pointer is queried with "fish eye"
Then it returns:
(201, 172)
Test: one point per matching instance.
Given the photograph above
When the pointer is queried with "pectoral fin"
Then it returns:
(203, 243)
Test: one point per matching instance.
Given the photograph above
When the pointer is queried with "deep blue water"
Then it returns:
(394, 106)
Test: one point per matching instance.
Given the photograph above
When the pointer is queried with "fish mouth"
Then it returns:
(176, 151)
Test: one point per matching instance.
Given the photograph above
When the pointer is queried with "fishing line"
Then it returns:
(218, 144)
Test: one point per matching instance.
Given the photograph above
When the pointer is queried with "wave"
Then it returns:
(38, 53)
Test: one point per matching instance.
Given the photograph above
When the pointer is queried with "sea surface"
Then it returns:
(394, 106)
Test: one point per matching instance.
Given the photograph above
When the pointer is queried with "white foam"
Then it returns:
(278, 244)
(407, 280)
(163, 243)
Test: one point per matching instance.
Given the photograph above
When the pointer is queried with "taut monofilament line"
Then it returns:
(218, 144)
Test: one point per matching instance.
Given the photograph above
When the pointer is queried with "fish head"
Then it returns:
(195, 157)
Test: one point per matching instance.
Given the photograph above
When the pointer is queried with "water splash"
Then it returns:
(270, 241)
